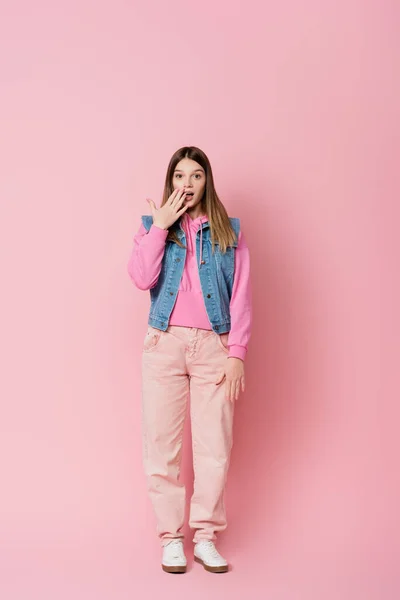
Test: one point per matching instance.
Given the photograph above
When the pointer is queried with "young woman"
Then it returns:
(194, 260)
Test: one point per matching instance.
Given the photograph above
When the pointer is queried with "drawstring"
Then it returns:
(187, 231)
(187, 226)
(201, 241)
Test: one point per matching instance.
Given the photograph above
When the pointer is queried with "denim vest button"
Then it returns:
(217, 327)
(178, 260)
(171, 293)
(208, 295)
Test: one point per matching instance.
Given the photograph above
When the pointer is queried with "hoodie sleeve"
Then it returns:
(144, 264)
(241, 303)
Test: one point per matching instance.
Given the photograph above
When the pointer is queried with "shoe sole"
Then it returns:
(222, 569)
(181, 569)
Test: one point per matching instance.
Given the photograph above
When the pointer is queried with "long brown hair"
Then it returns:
(222, 231)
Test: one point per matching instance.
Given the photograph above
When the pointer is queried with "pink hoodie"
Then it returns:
(189, 311)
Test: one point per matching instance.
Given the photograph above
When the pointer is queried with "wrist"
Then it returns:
(160, 225)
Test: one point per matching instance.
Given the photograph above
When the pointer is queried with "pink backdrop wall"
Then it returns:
(296, 105)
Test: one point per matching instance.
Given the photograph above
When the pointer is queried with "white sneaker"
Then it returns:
(206, 553)
(174, 559)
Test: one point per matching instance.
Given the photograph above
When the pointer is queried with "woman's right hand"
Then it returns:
(166, 215)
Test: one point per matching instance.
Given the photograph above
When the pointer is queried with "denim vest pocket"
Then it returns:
(224, 261)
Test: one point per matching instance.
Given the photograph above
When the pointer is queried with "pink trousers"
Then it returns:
(178, 364)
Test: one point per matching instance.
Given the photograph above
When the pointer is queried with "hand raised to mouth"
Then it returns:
(165, 216)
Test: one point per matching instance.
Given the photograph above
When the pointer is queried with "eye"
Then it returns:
(178, 175)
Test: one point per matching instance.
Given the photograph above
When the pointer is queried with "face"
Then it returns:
(191, 176)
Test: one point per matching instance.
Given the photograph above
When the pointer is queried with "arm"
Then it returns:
(241, 303)
(144, 264)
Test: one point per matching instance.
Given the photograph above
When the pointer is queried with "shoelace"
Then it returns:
(209, 546)
(177, 549)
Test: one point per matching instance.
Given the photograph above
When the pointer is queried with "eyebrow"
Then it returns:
(180, 170)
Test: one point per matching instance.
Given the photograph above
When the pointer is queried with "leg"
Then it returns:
(165, 389)
(212, 422)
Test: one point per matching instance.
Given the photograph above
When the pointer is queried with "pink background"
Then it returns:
(296, 105)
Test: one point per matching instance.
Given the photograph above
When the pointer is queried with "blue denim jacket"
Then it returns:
(216, 277)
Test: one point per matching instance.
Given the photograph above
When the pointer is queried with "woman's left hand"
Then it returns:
(234, 374)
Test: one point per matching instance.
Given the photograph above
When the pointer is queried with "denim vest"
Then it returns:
(216, 277)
